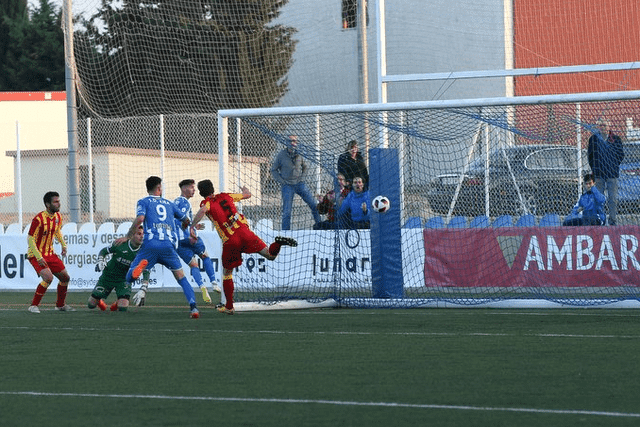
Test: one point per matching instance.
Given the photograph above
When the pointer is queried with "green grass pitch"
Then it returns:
(332, 367)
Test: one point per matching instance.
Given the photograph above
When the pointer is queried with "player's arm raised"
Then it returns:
(241, 196)
(200, 214)
(132, 230)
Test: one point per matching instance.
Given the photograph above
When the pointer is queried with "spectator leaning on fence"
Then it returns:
(605, 154)
(351, 164)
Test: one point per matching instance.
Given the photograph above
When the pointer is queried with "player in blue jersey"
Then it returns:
(157, 215)
(191, 245)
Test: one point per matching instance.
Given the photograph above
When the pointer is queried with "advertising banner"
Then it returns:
(321, 258)
(532, 256)
(82, 255)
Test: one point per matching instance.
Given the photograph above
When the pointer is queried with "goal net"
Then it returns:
(176, 57)
(478, 194)
(151, 77)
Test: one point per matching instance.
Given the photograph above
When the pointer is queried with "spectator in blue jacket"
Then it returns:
(590, 208)
(357, 204)
(605, 154)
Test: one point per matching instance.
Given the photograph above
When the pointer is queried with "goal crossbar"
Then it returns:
(514, 72)
(418, 105)
(504, 159)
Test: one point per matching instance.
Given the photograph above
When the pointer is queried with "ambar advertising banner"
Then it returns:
(533, 256)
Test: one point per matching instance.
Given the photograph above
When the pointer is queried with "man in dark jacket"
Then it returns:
(351, 164)
(605, 154)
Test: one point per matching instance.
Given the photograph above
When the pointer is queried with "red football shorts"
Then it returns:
(54, 263)
(242, 241)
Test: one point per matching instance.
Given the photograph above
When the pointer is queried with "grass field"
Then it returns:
(331, 367)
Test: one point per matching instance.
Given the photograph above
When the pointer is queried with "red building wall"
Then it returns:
(550, 33)
(576, 32)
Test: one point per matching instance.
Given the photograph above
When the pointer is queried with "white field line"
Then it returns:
(328, 402)
(277, 332)
(570, 312)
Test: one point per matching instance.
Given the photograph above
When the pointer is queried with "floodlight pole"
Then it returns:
(382, 69)
(364, 49)
(381, 52)
(509, 57)
(72, 116)
(363, 46)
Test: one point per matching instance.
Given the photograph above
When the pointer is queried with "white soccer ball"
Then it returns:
(381, 204)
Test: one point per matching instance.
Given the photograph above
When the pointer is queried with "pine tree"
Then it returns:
(10, 11)
(178, 56)
(34, 58)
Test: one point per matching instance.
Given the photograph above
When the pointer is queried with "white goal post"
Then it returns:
(513, 266)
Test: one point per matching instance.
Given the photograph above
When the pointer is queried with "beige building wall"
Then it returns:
(119, 179)
(42, 119)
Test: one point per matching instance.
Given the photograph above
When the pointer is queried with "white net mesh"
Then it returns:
(139, 58)
(180, 57)
(478, 188)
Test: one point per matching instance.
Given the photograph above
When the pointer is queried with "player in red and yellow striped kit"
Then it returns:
(237, 238)
(44, 228)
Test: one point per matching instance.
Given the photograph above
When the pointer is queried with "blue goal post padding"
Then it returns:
(386, 243)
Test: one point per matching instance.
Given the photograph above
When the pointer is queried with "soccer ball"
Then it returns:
(381, 204)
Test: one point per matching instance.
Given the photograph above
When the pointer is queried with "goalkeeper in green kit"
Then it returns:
(113, 275)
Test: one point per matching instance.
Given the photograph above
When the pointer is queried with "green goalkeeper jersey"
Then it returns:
(122, 256)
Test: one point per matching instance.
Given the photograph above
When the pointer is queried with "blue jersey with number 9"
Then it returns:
(159, 214)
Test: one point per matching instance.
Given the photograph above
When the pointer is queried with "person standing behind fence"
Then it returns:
(46, 226)
(288, 170)
(351, 164)
(605, 153)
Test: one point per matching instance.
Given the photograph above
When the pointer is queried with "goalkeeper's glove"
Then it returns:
(140, 296)
(101, 264)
